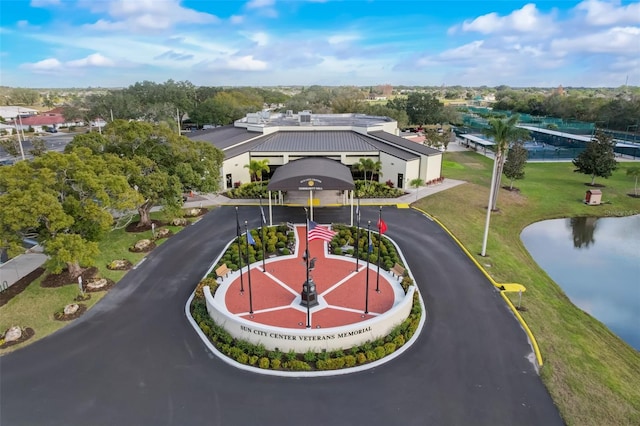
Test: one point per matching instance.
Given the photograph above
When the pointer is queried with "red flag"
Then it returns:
(382, 227)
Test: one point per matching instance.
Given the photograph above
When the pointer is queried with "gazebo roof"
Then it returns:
(316, 174)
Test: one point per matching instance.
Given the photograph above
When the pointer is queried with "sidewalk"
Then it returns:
(20, 266)
(208, 200)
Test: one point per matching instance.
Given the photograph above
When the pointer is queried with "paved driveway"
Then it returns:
(134, 360)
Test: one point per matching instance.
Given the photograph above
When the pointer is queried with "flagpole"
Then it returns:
(263, 221)
(306, 254)
(366, 292)
(246, 227)
(357, 232)
(239, 251)
(379, 253)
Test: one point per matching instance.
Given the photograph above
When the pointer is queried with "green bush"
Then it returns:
(361, 358)
(349, 361)
(253, 360)
(286, 251)
(264, 363)
(297, 365)
(380, 352)
(310, 356)
(399, 340)
(275, 364)
(389, 348)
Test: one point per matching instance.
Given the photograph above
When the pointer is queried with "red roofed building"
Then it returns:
(40, 123)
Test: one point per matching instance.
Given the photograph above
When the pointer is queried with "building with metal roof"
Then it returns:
(281, 138)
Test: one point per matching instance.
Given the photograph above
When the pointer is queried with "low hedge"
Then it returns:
(257, 356)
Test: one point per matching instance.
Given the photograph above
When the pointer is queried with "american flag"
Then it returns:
(317, 232)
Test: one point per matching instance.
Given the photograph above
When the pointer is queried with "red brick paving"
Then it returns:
(272, 303)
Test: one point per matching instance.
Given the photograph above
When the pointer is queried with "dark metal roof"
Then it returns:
(315, 173)
(403, 143)
(392, 150)
(315, 141)
(223, 137)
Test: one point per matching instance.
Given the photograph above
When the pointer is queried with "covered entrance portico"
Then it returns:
(307, 176)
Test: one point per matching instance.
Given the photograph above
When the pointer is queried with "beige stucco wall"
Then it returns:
(303, 340)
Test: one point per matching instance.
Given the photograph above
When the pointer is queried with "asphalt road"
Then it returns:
(133, 359)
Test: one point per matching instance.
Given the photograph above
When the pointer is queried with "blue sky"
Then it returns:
(115, 43)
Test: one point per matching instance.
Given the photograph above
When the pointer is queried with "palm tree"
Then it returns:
(416, 183)
(365, 165)
(503, 132)
(634, 172)
(256, 167)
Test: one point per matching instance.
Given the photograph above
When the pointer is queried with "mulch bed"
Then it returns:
(60, 316)
(19, 286)
(110, 283)
(126, 265)
(63, 278)
(135, 227)
(27, 334)
(147, 249)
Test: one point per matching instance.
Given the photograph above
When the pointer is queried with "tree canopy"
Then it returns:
(162, 164)
(598, 159)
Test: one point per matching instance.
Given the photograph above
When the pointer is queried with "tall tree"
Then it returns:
(515, 162)
(424, 108)
(503, 132)
(598, 159)
(68, 200)
(164, 163)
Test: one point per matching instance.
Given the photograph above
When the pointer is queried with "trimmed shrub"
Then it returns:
(361, 358)
(349, 361)
(275, 364)
(389, 348)
(297, 365)
(264, 363)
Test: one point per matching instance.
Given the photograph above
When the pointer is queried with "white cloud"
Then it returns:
(525, 20)
(44, 3)
(264, 7)
(257, 4)
(245, 63)
(53, 65)
(93, 60)
(46, 65)
(260, 38)
(622, 41)
(609, 13)
(342, 38)
(236, 19)
(146, 15)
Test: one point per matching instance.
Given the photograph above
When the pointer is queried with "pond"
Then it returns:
(596, 261)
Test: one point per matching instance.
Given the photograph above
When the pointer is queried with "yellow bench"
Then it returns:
(222, 271)
(398, 270)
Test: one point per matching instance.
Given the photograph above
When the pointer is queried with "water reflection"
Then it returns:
(597, 264)
(583, 229)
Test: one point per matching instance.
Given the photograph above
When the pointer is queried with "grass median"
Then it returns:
(35, 306)
(591, 373)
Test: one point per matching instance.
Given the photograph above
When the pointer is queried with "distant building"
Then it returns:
(11, 112)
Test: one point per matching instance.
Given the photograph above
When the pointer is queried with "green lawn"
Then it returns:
(35, 306)
(592, 375)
